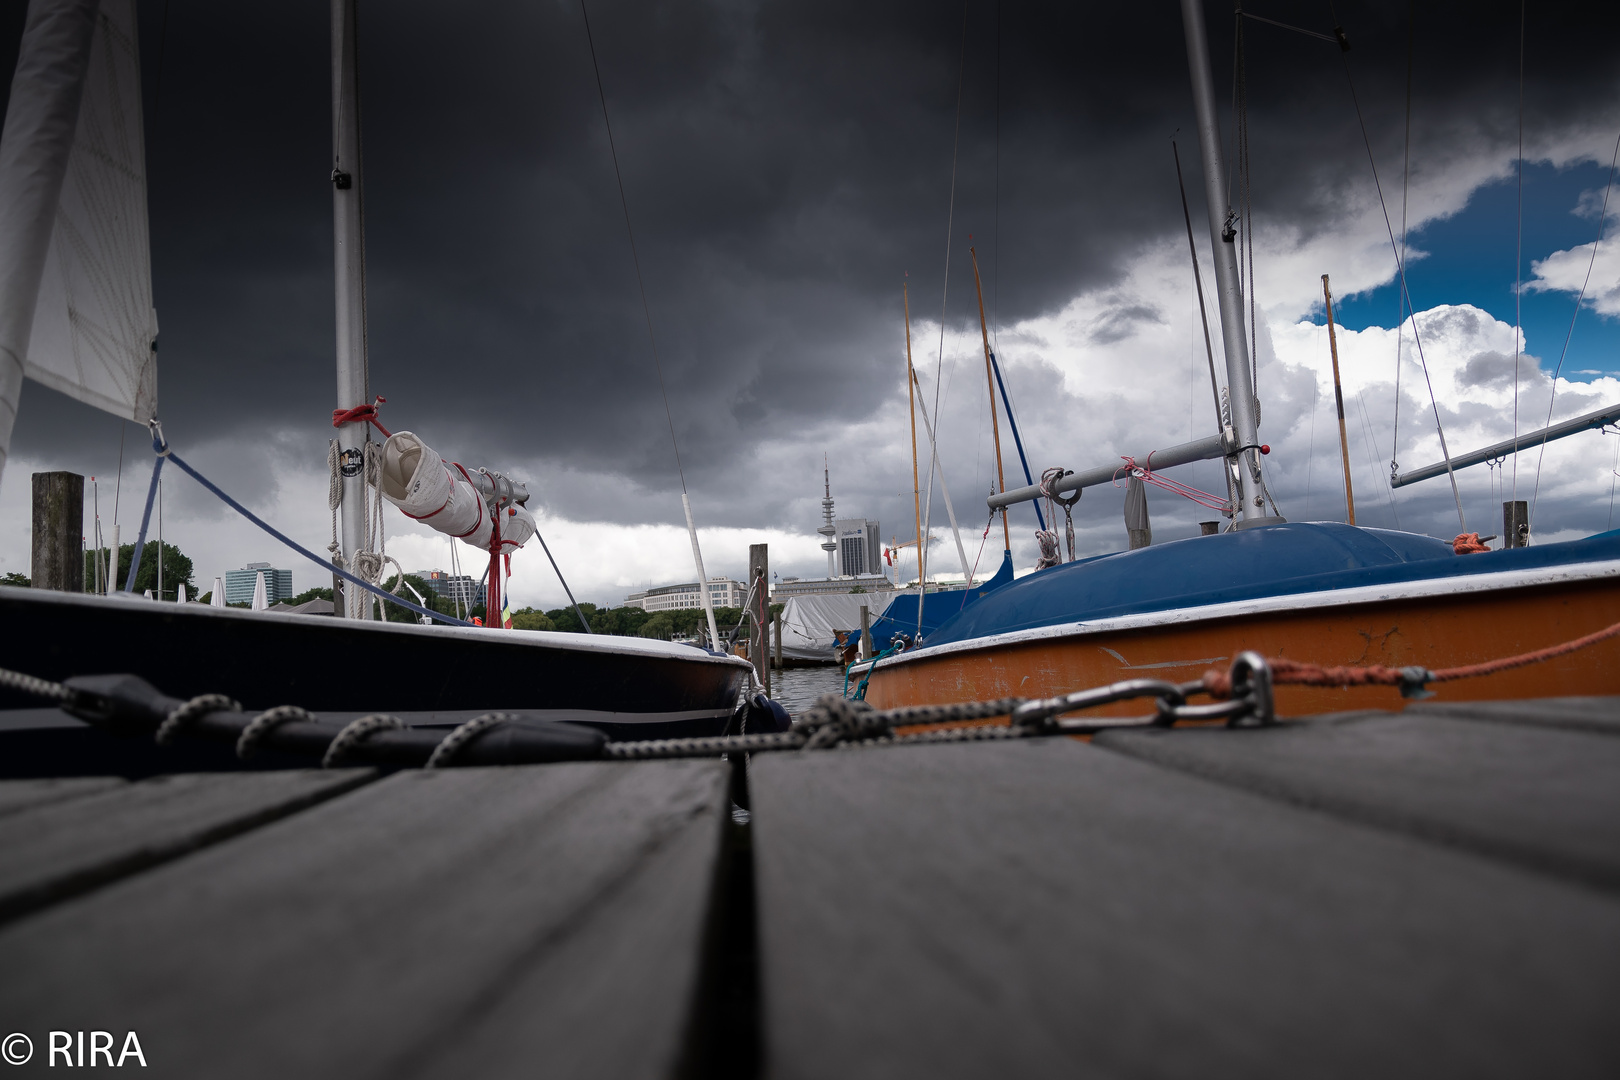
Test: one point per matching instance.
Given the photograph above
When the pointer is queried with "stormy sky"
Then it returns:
(789, 168)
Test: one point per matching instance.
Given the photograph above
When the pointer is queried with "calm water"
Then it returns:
(797, 688)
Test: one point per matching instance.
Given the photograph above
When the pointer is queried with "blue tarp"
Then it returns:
(900, 617)
(1271, 560)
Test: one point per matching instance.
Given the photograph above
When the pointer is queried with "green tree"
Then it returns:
(177, 569)
(530, 619)
(661, 626)
(14, 578)
(394, 613)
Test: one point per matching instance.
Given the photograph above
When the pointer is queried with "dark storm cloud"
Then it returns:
(785, 166)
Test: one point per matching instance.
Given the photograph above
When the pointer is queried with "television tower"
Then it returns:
(827, 529)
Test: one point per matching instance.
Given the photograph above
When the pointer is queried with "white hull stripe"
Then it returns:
(1330, 598)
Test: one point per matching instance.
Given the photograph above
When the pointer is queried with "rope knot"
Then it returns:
(835, 719)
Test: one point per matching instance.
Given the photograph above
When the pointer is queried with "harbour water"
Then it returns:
(797, 688)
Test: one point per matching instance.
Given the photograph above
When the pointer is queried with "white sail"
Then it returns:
(443, 495)
(95, 332)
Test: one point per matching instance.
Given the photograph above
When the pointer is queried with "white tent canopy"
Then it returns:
(809, 622)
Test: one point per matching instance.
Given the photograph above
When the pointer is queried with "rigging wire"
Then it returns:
(1400, 300)
(1603, 217)
(635, 256)
(1518, 264)
(1406, 294)
(950, 222)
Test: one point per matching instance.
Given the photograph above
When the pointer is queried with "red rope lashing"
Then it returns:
(1295, 673)
(366, 414)
(1468, 544)
(1148, 476)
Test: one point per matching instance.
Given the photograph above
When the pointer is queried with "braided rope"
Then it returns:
(192, 711)
(354, 733)
(646, 749)
(247, 744)
(28, 684)
(451, 745)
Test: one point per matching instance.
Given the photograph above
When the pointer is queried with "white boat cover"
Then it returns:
(809, 622)
(94, 333)
(439, 494)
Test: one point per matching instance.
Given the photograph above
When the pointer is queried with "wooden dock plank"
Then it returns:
(18, 795)
(1052, 908)
(543, 920)
(1547, 798)
(64, 847)
(1599, 715)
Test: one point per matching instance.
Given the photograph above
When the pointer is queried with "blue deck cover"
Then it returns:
(1271, 560)
(900, 617)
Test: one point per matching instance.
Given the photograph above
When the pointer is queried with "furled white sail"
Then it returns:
(95, 332)
(443, 495)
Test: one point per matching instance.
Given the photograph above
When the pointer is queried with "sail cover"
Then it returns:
(94, 334)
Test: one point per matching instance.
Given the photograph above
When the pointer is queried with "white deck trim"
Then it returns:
(1361, 594)
(591, 643)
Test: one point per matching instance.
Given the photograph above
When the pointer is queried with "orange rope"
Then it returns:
(1468, 544)
(1295, 673)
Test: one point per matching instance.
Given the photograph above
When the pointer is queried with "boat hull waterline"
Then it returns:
(1435, 624)
(630, 687)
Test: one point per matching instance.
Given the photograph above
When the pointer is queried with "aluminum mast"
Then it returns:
(1228, 283)
(348, 235)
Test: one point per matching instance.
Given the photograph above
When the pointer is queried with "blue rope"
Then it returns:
(161, 448)
(1018, 442)
(140, 541)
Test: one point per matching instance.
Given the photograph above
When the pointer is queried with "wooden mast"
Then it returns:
(990, 381)
(1338, 400)
(911, 403)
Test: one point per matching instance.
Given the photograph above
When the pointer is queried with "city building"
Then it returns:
(860, 547)
(456, 588)
(871, 583)
(239, 583)
(723, 593)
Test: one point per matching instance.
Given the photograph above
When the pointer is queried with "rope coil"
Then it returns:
(446, 751)
(354, 733)
(247, 744)
(192, 711)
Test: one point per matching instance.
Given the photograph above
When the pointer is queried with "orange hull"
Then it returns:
(1432, 631)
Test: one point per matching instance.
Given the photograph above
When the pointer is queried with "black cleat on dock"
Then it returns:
(1433, 893)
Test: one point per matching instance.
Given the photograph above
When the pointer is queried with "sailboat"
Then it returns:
(76, 315)
(1319, 593)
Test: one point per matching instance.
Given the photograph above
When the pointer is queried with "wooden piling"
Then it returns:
(58, 562)
(776, 637)
(759, 577)
(866, 632)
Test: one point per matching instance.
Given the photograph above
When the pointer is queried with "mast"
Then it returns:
(911, 402)
(348, 236)
(990, 381)
(1338, 399)
(1228, 284)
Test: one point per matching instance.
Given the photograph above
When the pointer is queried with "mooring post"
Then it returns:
(866, 632)
(776, 637)
(759, 577)
(1515, 524)
(58, 560)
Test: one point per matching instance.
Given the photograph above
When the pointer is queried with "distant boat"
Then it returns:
(1321, 593)
(76, 303)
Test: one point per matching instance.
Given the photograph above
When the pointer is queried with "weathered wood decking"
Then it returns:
(1433, 893)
